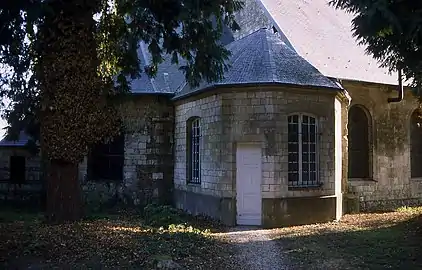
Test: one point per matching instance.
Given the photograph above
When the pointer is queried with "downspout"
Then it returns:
(400, 90)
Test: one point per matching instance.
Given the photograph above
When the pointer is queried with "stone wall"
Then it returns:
(148, 164)
(260, 115)
(390, 184)
(32, 185)
(256, 115)
(209, 111)
(215, 179)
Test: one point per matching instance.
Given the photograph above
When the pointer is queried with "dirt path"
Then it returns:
(255, 250)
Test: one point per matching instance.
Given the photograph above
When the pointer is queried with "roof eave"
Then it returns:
(152, 94)
(239, 85)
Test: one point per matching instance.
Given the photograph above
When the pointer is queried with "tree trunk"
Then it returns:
(64, 200)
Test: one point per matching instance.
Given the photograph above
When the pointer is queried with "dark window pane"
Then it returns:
(293, 147)
(293, 167)
(312, 134)
(358, 145)
(293, 157)
(305, 178)
(293, 137)
(305, 133)
(294, 177)
(293, 119)
(313, 177)
(17, 169)
(106, 161)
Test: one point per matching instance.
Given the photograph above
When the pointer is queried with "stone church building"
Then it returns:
(299, 131)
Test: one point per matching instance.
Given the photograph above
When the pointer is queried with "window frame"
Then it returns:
(301, 183)
(98, 154)
(369, 144)
(194, 151)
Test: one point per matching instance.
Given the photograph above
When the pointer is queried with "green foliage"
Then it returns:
(171, 220)
(391, 31)
(63, 57)
(163, 215)
(13, 215)
(64, 63)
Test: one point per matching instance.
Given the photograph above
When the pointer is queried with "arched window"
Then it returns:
(359, 144)
(415, 145)
(193, 150)
(302, 150)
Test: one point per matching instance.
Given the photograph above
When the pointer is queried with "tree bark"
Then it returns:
(64, 200)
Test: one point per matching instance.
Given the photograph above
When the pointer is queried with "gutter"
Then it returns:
(400, 89)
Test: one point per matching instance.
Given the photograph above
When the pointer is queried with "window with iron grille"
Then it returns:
(106, 160)
(302, 151)
(194, 152)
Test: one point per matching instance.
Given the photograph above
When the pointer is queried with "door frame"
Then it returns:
(258, 146)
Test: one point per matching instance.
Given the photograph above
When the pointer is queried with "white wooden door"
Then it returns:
(248, 184)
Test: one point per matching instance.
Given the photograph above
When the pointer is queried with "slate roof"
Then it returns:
(168, 78)
(263, 58)
(323, 36)
(20, 142)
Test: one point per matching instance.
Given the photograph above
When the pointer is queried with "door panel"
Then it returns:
(248, 184)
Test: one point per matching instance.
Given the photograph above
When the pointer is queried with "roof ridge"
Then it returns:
(271, 58)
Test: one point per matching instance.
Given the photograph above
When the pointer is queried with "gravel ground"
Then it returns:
(255, 250)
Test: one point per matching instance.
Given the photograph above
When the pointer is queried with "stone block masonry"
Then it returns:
(390, 184)
(148, 155)
(256, 115)
(260, 115)
(31, 188)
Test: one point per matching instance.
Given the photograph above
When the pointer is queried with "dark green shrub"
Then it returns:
(163, 215)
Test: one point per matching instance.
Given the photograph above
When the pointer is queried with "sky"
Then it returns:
(2, 125)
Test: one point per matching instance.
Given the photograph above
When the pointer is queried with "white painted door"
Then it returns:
(248, 184)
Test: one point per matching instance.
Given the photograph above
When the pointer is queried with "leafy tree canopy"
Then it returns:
(66, 60)
(391, 30)
(61, 60)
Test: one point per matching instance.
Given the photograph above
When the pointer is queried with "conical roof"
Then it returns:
(263, 58)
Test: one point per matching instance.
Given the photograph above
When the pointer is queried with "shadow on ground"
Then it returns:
(369, 244)
(107, 242)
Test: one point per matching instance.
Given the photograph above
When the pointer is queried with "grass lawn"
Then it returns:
(360, 241)
(121, 241)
